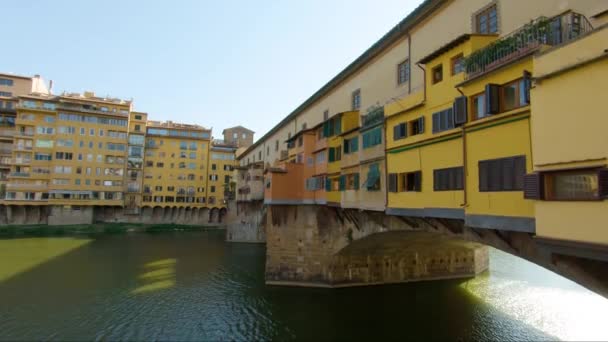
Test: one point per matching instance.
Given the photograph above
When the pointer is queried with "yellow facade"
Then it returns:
(568, 130)
(69, 150)
(176, 166)
(222, 164)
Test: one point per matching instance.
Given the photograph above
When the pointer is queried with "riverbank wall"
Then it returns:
(82, 215)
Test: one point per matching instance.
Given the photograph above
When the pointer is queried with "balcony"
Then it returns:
(373, 118)
(526, 40)
(21, 161)
(9, 133)
(24, 134)
(92, 110)
(14, 186)
(19, 174)
(18, 147)
(284, 155)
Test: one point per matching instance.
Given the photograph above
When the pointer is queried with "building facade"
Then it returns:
(76, 158)
(238, 136)
(458, 123)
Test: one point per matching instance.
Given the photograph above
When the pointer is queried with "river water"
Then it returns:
(194, 286)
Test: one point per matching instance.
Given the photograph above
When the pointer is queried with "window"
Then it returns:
(417, 126)
(244, 135)
(92, 131)
(260, 155)
(300, 142)
(400, 131)
(276, 145)
(372, 183)
(403, 72)
(213, 167)
(443, 120)
(235, 135)
(82, 131)
(486, 21)
(448, 179)
(6, 94)
(372, 137)
(90, 144)
(351, 145)
(356, 99)
(410, 181)
(326, 115)
(513, 95)
(158, 188)
(478, 104)
(575, 185)
(335, 154)
(212, 188)
(457, 64)
(6, 82)
(504, 174)
(437, 74)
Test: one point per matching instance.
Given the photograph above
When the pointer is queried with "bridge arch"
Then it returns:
(314, 244)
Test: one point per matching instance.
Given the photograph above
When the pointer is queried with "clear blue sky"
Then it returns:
(214, 63)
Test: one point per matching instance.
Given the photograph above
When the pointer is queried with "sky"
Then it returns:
(214, 63)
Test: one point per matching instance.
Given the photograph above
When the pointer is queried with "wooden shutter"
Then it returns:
(403, 128)
(342, 183)
(459, 178)
(460, 110)
(356, 176)
(436, 122)
(346, 146)
(392, 182)
(527, 85)
(602, 178)
(328, 184)
(421, 125)
(332, 154)
(396, 134)
(507, 166)
(484, 176)
(534, 186)
(520, 172)
(418, 181)
(436, 180)
(492, 97)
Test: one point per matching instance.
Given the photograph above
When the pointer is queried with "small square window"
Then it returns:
(403, 72)
(356, 99)
(457, 64)
(437, 74)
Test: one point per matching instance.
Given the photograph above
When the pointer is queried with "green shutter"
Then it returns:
(356, 181)
(332, 154)
(342, 183)
(338, 126)
(328, 184)
(355, 144)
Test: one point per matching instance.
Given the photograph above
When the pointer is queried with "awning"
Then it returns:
(373, 175)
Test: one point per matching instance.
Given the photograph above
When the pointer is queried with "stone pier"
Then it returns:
(321, 246)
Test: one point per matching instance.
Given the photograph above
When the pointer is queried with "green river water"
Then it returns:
(194, 286)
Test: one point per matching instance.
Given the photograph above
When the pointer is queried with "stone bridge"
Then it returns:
(324, 246)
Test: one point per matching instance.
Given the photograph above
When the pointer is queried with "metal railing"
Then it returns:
(541, 31)
(19, 174)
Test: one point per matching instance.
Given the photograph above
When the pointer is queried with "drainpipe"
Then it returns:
(424, 83)
(464, 161)
(409, 61)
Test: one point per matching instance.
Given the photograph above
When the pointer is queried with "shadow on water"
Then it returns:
(193, 286)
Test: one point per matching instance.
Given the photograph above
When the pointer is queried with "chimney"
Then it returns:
(50, 87)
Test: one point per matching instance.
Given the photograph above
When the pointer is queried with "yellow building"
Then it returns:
(176, 166)
(11, 87)
(463, 148)
(570, 183)
(222, 163)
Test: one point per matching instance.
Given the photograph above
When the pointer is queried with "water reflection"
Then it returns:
(538, 298)
(193, 286)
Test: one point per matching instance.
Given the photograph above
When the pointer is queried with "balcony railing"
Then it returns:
(22, 147)
(374, 117)
(20, 174)
(541, 31)
(7, 132)
(11, 186)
